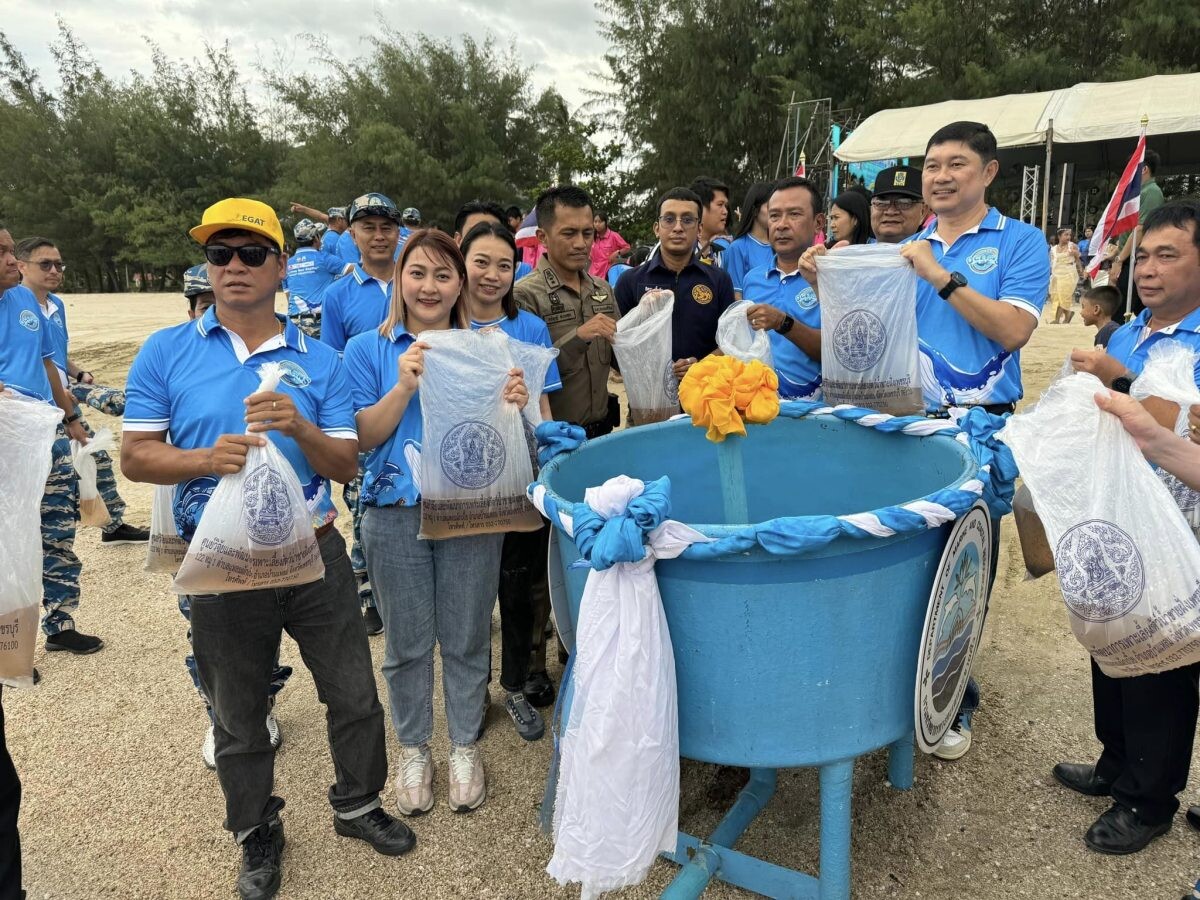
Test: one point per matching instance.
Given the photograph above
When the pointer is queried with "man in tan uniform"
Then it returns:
(581, 313)
(579, 310)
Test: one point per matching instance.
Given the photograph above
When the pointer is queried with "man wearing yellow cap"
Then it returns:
(187, 384)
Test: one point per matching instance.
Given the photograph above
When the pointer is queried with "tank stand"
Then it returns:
(704, 860)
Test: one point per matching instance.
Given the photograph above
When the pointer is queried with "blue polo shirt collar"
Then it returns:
(1190, 322)
(399, 333)
(362, 277)
(993, 220)
(784, 277)
(293, 337)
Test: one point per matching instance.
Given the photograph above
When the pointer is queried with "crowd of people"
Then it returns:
(365, 283)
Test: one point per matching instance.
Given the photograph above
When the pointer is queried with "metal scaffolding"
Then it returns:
(1029, 194)
(808, 136)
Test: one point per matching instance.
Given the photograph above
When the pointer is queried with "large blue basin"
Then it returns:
(785, 661)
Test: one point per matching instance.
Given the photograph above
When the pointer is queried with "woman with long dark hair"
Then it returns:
(850, 219)
(751, 247)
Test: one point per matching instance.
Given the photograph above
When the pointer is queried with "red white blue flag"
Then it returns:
(527, 233)
(1121, 214)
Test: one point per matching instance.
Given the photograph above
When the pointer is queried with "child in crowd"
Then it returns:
(490, 252)
(428, 592)
(1100, 305)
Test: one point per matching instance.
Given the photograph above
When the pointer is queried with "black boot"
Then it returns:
(262, 853)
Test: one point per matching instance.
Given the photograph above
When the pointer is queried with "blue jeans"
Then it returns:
(427, 592)
(235, 638)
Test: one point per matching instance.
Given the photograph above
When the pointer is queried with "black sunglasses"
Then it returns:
(252, 255)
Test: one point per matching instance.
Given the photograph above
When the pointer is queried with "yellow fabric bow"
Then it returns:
(721, 394)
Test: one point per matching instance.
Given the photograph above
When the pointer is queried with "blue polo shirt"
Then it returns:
(56, 324)
(799, 375)
(352, 305)
(392, 473)
(523, 269)
(347, 249)
(1130, 344)
(309, 274)
(1003, 259)
(25, 341)
(702, 293)
(745, 254)
(190, 381)
(532, 330)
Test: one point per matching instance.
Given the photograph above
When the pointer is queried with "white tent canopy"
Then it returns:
(1083, 114)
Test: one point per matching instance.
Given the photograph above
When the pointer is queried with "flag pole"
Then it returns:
(1133, 249)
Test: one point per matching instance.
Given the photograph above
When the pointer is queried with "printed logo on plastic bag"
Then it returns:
(267, 507)
(670, 382)
(1100, 570)
(190, 501)
(473, 455)
(859, 340)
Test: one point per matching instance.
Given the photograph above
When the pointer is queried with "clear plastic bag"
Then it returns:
(166, 548)
(92, 510)
(27, 432)
(1127, 562)
(534, 360)
(1169, 373)
(736, 338)
(869, 354)
(475, 463)
(256, 531)
(643, 349)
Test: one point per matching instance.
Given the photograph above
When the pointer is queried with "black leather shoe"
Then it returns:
(261, 862)
(539, 690)
(372, 621)
(1193, 816)
(73, 642)
(1119, 831)
(1082, 779)
(388, 836)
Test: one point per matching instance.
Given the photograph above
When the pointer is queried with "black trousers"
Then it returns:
(10, 807)
(1146, 725)
(235, 637)
(524, 605)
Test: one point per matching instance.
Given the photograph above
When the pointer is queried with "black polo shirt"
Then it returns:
(702, 293)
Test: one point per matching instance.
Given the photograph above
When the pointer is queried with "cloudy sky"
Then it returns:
(559, 38)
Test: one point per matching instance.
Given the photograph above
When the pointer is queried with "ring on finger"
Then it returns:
(274, 405)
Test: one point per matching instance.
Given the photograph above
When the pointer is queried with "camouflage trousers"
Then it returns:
(108, 400)
(60, 565)
(279, 675)
(309, 324)
(106, 482)
(358, 562)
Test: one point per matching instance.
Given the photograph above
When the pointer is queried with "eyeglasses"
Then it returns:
(252, 255)
(47, 264)
(904, 204)
(670, 220)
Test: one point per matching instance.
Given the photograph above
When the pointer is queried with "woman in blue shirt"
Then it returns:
(491, 253)
(751, 247)
(428, 591)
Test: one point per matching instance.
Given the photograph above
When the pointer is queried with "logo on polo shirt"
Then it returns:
(1100, 571)
(473, 455)
(983, 260)
(702, 294)
(29, 319)
(806, 299)
(267, 506)
(294, 375)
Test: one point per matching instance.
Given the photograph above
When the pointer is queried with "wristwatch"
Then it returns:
(957, 280)
(786, 325)
(1123, 384)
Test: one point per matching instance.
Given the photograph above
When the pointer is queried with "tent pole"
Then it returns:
(1129, 276)
(1046, 180)
(1062, 196)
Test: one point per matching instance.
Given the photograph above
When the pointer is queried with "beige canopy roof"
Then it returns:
(1085, 113)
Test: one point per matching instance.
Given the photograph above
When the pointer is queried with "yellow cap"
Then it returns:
(241, 214)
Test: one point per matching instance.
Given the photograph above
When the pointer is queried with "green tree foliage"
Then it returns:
(431, 124)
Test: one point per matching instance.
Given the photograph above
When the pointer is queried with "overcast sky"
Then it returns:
(557, 38)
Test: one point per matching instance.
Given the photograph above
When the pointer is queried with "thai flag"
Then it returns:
(1121, 214)
(800, 168)
(527, 233)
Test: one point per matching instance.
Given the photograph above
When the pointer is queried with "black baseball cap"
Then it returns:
(902, 180)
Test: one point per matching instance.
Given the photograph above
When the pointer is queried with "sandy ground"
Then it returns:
(118, 803)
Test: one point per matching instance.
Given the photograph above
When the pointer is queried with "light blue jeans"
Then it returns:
(427, 592)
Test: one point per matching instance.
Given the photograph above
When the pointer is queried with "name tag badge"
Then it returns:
(559, 318)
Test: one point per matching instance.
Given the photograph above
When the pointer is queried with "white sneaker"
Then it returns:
(414, 781)
(208, 750)
(955, 744)
(468, 784)
(274, 731)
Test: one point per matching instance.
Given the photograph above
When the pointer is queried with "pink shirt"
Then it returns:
(602, 249)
